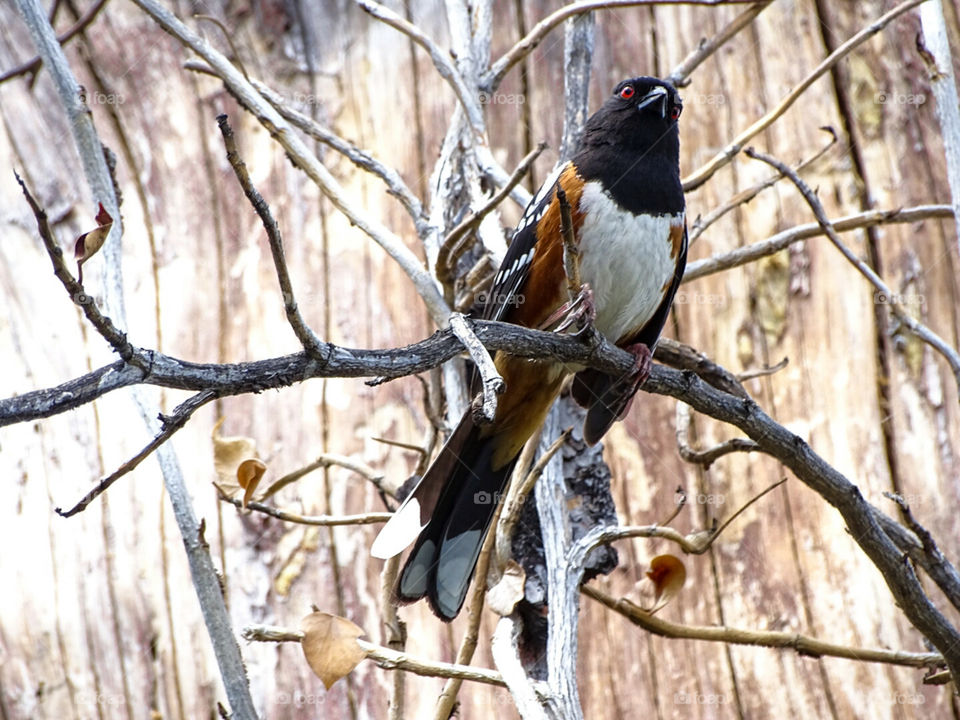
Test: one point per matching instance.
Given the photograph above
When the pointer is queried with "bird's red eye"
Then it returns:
(675, 112)
(627, 92)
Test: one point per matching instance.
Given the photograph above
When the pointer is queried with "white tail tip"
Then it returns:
(400, 530)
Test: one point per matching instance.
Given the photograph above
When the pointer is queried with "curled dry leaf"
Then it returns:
(664, 580)
(248, 477)
(87, 245)
(330, 646)
(228, 455)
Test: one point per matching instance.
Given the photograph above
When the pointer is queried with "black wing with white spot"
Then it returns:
(515, 268)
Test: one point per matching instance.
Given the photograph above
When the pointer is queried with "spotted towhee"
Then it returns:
(627, 206)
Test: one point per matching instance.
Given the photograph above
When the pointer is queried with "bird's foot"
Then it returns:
(642, 362)
(642, 365)
(581, 311)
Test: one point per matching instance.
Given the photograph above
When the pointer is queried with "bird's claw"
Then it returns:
(581, 311)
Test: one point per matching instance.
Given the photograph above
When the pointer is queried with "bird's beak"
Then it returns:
(658, 94)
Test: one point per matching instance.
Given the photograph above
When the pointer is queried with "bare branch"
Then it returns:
(776, 243)
(519, 491)
(371, 518)
(912, 324)
(821, 477)
(228, 36)
(571, 248)
(578, 39)
(695, 543)
(802, 644)
(491, 80)
(239, 378)
(680, 75)
(311, 343)
(452, 247)
(736, 145)
(490, 377)
(101, 323)
(325, 460)
(360, 158)
(683, 357)
(708, 456)
(762, 371)
(384, 657)
(441, 61)
(170, 423)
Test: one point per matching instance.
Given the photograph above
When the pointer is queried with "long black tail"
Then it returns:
(467, 489)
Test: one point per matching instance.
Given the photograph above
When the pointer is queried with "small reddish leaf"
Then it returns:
(668, 575)
(330, 646)
(248, 477)
(87, 245)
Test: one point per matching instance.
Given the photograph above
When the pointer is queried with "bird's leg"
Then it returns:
(580, 310)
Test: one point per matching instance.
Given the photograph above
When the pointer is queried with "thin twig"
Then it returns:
(490, 377)
(913, 325)
(802, 644)
(457, 240)
(32, 66)
(171, 423)
(722, 158)
(228, 36)
(326, 460)
(745, 196)
(762, 371)
(441, 60)
(926, 539)
(101, 323)
(317, 520)
(468, 645)
(786, 238)
(695, 543)
(359, 157)
(683, 357)
(680, 75)
(311, 343)
(396, 631)
(491, 80)
(708, 456)
(498, 176)
(384, 657)
(517, 496)
(422, 452)
(571, 249)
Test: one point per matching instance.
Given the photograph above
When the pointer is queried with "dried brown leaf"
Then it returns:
(248, 477)
(330, 646)
(228, 454)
